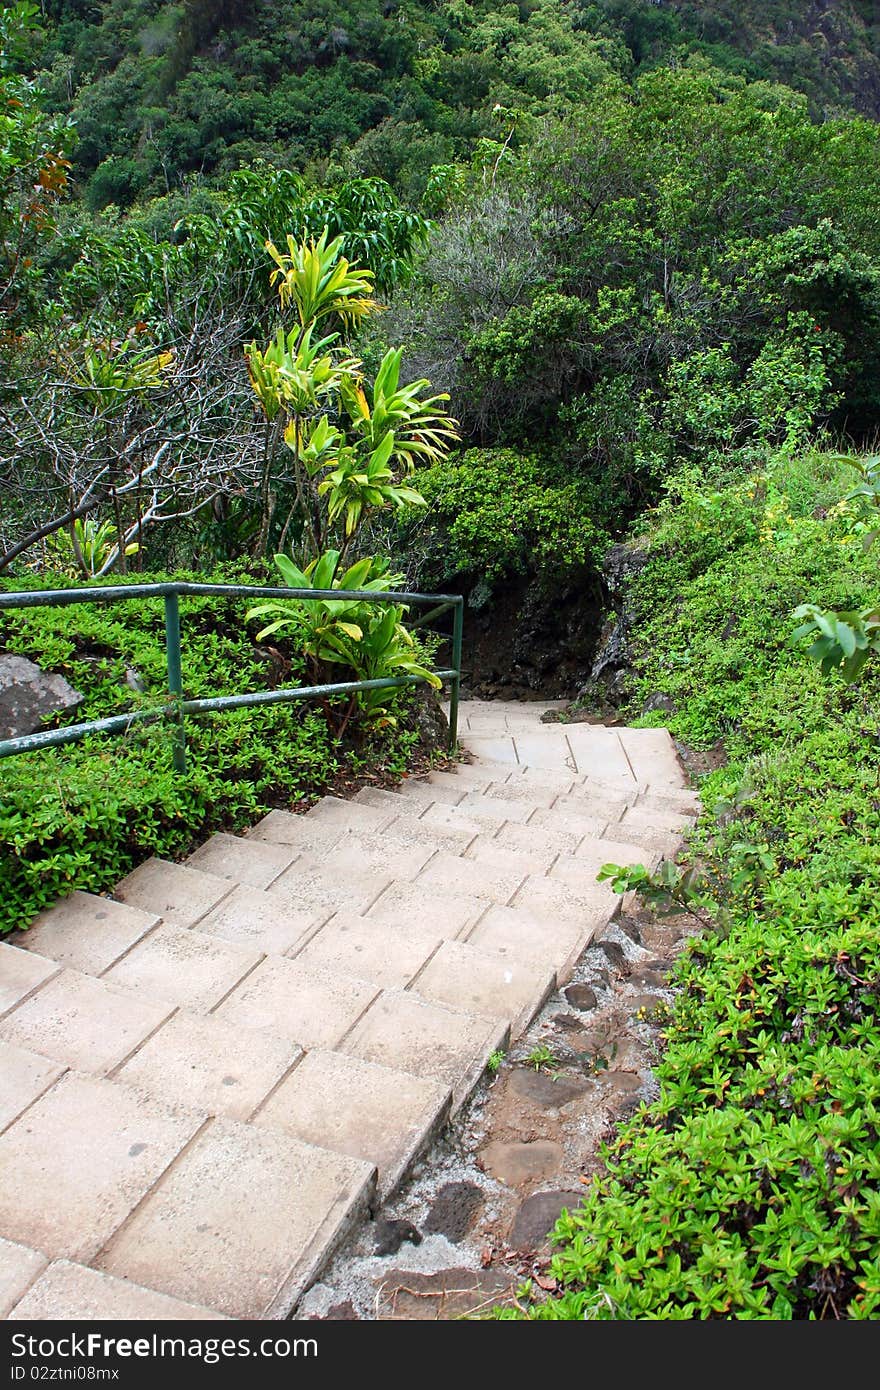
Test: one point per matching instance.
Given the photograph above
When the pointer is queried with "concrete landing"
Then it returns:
(209, 1078)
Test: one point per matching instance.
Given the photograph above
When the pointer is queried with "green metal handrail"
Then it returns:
(176, 710)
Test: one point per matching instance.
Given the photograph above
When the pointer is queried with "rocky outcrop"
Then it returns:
(28, 695)
(609, 674)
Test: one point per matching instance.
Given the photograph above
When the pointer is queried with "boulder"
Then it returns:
(28, 695)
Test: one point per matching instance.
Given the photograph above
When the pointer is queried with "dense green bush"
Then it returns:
(751, 1188)
(494, 513)
(84, 815)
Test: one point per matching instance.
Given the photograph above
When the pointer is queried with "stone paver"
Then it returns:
(87, 932)
(285, 1021)
(385, 1116)
(448, 913)
(205, 1064)
(366, 947)
(462, 975)
(19, 1267)
(496, 879)
(82, 1022)
(183, 967)
(528, 937)
(175, 892)
(24, 1076)
(310, 1006)
(242, 1221)
(265, 920)
(90, 1149)
(256, 863)
(404, 1032)
(21, 972)
(69, 1292)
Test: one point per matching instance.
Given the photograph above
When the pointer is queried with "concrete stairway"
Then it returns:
(208, 1078)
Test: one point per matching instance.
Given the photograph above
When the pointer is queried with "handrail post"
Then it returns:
(457, 631)
(175, 676)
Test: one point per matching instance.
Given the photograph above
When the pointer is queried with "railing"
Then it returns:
(177, 708)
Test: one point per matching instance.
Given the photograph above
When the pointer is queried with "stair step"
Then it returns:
(534, 939)
(537, 840)
(448, 913)
(584, 900)
(349, 815)
(425, 791)
(174, 892)
(307, 1005)
(647, 817)
(663, 843)
(183, 967)
(265, 920)
(24, 1076)
(208, 1065)
(384, 1116)
(91, 1149)
(562, 819)
(406, 1033)
(370, 948)
(254, 862)
(312, 884)
(462, 975)
(68, 1292)
(21, 973)
(477, 878)
(82, 1022)
(495, 808)
(517, 860)
(243, 1221)
(87, 932)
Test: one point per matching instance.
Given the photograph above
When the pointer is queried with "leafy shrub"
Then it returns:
(496, 512)
(83, 816)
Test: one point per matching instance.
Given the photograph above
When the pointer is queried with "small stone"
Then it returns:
(550, 1092)
(659, 701)
(447, 1294)
(390, 1235)
(538, 1215)
(134, 680)
(340, 1312)
(614, 952)
(568, 1023)
(648, 979)
(522, 1163)
(648, 1002)
(630, 929)
(580, 997)
(454, 1210)
(624, 1082)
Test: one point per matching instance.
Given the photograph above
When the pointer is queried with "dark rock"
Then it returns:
(390, 1235)
(630, 929)
(426, 719)
(516, 1163)
(28, 695)
(568, 1023)
(647, 978)
(610, 673)
(454, 1210)
(550, 1092)
(134, 680)
(580, 997)
(614, 952)
(538, 1215)
(659, 701)
(340, 1312)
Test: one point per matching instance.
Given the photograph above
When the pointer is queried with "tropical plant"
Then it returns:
(89, 547)
(368, 638)
(353, 444)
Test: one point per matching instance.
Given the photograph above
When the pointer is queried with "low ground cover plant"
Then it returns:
(751, 1187)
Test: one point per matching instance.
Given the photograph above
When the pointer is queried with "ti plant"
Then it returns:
(352, 445)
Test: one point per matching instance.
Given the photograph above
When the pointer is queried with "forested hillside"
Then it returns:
(161, 92)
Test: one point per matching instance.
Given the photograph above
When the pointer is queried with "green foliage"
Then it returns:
(749, 1189)
(85, 815)
(495, 513)
(368, 639)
